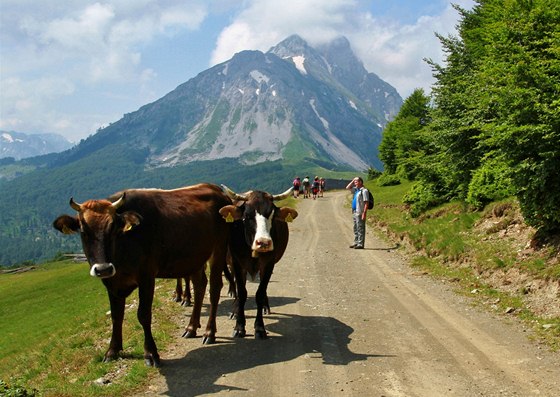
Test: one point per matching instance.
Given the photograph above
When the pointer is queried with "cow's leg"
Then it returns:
(146, 297)
(217, 265)
(177, 296)
(239, 305)
(232, 292)
(262, 301)
(117, 316)
(199, 281)
(266, 305)
(187, 297)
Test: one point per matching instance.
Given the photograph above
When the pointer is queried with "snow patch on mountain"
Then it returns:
(299, 62)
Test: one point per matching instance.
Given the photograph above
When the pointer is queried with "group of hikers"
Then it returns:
(309, 188)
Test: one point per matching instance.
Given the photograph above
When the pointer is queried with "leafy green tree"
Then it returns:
(402, 139)
(522, 67)
(496, 118)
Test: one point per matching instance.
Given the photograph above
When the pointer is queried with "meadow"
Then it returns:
(56, 327)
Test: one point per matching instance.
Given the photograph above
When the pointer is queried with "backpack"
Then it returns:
(371, 201)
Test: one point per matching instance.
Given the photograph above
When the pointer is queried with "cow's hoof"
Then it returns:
(209, 340)
(260, 334)
(152, 361)
(238, 333)
(111, 355)
(189, 333)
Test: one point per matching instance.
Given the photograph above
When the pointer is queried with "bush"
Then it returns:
(421, 197)
(373, 174)
(389, 180)
(491, 182)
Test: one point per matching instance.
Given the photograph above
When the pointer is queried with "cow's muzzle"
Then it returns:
(102, 270)
(263, 245)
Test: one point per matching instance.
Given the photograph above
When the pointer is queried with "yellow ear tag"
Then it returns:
(229, 218)
(128, 227)
(289, 218)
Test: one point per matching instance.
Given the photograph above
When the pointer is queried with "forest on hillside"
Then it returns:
(491, 127)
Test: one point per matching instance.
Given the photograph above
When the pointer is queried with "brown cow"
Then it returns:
(138, 235)
(259, 238)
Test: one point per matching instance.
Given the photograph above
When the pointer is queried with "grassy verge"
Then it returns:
(56, 328)
(485, 254)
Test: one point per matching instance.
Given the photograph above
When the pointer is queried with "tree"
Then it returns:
(496, 108)
(402, 141)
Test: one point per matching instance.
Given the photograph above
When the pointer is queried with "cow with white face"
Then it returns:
(258, 239)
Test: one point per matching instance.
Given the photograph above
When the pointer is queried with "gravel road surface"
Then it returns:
(350, 322)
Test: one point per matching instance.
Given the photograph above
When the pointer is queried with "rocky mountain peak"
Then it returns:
(292, 102)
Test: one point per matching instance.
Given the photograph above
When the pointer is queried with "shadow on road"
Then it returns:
(290, 336)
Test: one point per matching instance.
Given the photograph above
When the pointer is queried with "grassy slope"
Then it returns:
(485, 254)
(56, 327)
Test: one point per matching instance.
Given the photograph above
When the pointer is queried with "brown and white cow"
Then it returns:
(259, 237)
(138, 235)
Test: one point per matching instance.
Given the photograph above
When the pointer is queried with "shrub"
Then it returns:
(389, 180)
(421, 197)
(491, 182)
(373, 174)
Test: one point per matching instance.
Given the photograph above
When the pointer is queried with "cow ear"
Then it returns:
(231, 213)
(131, 220)
(66, 224)
(287, 214)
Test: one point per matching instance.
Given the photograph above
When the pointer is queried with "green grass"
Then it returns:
(446, 244)
(55, 330)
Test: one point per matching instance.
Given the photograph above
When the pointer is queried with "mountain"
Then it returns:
(254, 121)
(291, 102)
(19, 145)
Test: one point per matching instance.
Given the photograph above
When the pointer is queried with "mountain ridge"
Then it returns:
(19, 145)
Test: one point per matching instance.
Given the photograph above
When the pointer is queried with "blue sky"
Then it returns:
(73, 67)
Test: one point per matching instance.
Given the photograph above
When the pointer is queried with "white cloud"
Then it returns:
(85, 45)
(264, 23)
(392, 50)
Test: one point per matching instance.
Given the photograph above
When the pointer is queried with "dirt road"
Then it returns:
(358, 323)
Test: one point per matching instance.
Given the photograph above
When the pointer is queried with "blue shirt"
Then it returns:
(355, 199)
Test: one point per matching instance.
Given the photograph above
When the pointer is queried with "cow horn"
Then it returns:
(234, 196)
(74, 205)
(119, 202)
(282, 196)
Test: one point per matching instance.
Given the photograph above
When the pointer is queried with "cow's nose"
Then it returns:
(103, 270)
(263, 245)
